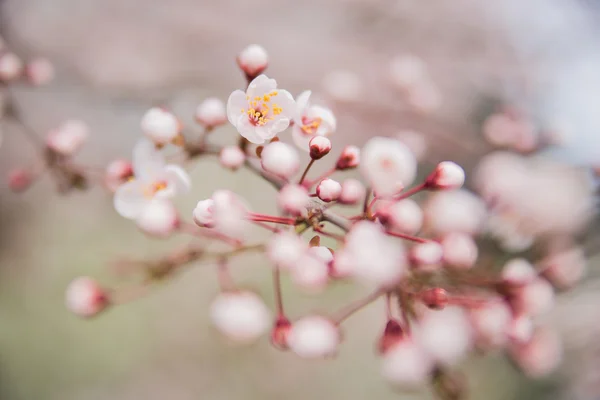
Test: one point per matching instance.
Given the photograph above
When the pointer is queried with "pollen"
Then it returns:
(310, 126)
(154, 188)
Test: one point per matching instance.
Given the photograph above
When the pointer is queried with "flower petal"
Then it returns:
(301, 105)
(328, 121)
(147, 161)
(262, 84)
(248, 131)
(129, 200)
(300, 138)
(236, 102)
(278, 125)
(178, 179)
(287, 103)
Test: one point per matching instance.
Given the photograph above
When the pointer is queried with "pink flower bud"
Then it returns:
(329, 190)
(11, 67)
(230, 214)
(85, 298)
(353, 191)
(401, 216)
(435, 298)
(426, 256)
(446, 176)
(160, 126)
(521, 329)
(343, 264)
(19, 180)
(158, 218)
(293, 199)
(323, 253)
(285, 248)
(68, 138)
(211, 113)
(454, 211)
(232, 157)
(350, 158)
(253, 60)
(314, 337)
(407, 365)
(491, 322)
(564, 268)
(541, 355)
(39, 71)
(280, 333)
(534, 298)
(310, 273)
(280, 159)
(460, 250)
(518, 272)
(204, 213)
(117, 173)
(446, 335)
(241, 316)
(392, 335)
(319, 147)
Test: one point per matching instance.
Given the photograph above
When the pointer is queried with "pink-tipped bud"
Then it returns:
(211, 113)
(460, 250)
(407, 365)
(521, 329)
(19, 180)
(491, 323)
(534, 298)
(353, 191)
(426, 256)
(323, 253)
(117, 173)
(319, 147)
(232, 157)
(350, 158)
(160, 126)
(204, 213)
(518, 272)
(280, 159)
(446, 176)
(280, 332)
(435, 298)
(11, 67)
(310, 273)
(85, 297)
(314, 337)
(401, 216)
(253, 60)
(541, 355)
(241, 316)
(392, 335)
(293, 199)
(564, 268)
(285, 249)
(329, 190)
(39, 71)
(158, 218)
(68, 138)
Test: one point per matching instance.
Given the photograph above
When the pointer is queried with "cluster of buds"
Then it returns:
(422, 263)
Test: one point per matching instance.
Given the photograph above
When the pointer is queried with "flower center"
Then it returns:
(261, 110)
(309, 126)
(154, 188)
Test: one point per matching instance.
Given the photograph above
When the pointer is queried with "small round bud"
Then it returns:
(39, 71)
(521, 329)
(319, 147)
(564, 268)
(314, 337)
(211, 113)
(446, 176)
(253, 60)
(68, 138)
(329, 190)
(322, 253)
(518, 272)
(310, 273)
(280, 332)
(158, 218)
(280, 159)
(426, 256)
(11, 67)
(204, 213)
(353, 191)
(435, 298)
(534, 298)
(541, 355)
(285, 248)
(161, 126)
(232, 157)
(460, 250)
(350, 158)
(392, 335)
(19, 180)
(117, 173)
(406, 365)
(491, 322)
(241, 316)
(85, 297)
(402, 216)
(293, 199)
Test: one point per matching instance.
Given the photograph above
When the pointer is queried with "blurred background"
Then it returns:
(115, 59)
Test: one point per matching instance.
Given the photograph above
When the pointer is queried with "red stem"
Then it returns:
(271, 218)
(407, 237)
(310, 164)
(308, 183)
(411, 191)
(277, 291)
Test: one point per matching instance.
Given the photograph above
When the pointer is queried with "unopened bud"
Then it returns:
(68, 138)
(353, 191)
(232, 157)
(446, 176)
(293, 199)
(204, 213)
(253, 60)
(350, 158)
(319, 147)
(329, 190)
(280, 159)
(435, 298)
(392, 334)
(159, 218)
(11, 67)
(211, 113)
(117, 173)
(161, 126)
(85, 297)
(280, 333)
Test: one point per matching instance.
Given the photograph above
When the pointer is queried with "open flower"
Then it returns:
(262, 112)
(310, 121)
(152, 179)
